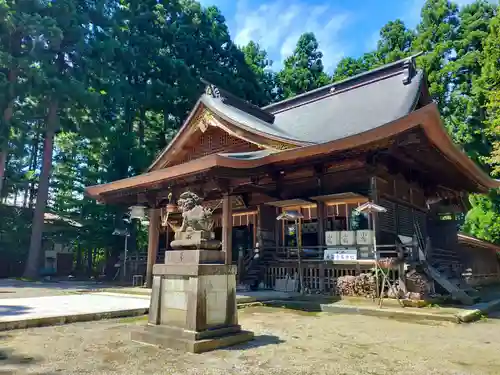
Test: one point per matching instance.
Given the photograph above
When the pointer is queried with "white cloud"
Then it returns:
(278, 24)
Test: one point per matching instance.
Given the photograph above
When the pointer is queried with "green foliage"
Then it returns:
(122, 76)
(257, 60)
(303, 71)
(466, 115)
(396, 42)
(483, 220)
(14, 225)
(489, 89)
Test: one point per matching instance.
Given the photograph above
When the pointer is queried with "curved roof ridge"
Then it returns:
(407, 63)
(332, 92)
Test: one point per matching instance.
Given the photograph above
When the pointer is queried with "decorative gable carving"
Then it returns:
(211, 141)
(205, 133)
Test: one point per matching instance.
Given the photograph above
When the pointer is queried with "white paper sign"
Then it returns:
(347, 237)
(341, 254)
(364, 237)
(332, 238)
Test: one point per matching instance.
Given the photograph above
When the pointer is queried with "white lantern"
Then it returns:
(137, 212)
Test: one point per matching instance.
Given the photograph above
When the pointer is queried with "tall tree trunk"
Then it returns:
(142, 128)
(90, 261)
(78, 265)
(7, 117)
(33, 167)
(33, 263)
(3, 162)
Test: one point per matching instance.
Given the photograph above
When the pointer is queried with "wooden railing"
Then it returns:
(318, 252)
(136, 264)
(319, 274)
(142, 257)
(319, 277)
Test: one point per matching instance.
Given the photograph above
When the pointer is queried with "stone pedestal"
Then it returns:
(193, 257)
(193, 303)
(194, 240)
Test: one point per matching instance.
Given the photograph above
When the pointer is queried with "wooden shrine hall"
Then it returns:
(373, 137)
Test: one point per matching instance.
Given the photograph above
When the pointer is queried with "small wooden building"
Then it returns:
(374, 137)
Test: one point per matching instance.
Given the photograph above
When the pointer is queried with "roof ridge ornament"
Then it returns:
(410, 67)
(212, 91)
(230, 99)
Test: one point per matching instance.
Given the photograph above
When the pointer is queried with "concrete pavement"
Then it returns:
(18, 313)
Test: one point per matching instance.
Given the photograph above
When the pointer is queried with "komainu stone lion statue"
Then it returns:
(195, 217)
(197, 224)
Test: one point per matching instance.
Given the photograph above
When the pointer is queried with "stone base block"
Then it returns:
(193, 306)
(194, 257)
(189, 341)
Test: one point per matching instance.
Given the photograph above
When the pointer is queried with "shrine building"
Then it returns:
(374, 137)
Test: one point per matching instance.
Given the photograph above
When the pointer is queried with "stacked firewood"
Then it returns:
(363, 285)
(418, 285)
(397, 290)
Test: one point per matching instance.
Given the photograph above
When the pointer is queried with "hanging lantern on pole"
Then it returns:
(296, 216)
(138, 212)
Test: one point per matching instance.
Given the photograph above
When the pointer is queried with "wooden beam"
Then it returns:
(153, 242)
(252, 188)
(148, 198)
(227, 228)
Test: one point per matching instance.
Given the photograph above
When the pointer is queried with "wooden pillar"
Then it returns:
(278, 230)
(321, 213)
(227, 228)
(321, 210)
(153, 241)
(375, 199)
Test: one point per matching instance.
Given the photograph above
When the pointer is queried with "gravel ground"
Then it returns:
(287, 342)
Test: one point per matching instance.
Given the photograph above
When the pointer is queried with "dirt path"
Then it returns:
(287, 343)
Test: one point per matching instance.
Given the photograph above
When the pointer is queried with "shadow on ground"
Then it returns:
(11, 363)
(8, 310)
(306, 306)
(257, 342)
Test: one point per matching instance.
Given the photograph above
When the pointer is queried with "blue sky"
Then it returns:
(342, 27)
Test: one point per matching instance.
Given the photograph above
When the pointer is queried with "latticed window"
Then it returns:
(209, 142)
(223, 139)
